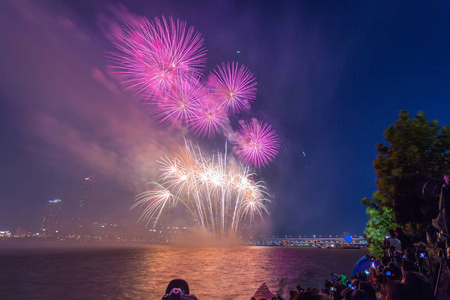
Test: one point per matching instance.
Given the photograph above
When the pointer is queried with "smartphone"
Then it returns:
(422, 255)
(353, 287)
(404, 256)
(349, 285)
(333, 288)
(388, 273)
(372, 265)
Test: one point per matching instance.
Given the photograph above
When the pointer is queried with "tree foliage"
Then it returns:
(381, 219)
(416, 148)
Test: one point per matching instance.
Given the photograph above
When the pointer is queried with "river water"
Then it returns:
(144, 272)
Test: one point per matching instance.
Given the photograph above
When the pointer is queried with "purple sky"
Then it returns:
(331, 78)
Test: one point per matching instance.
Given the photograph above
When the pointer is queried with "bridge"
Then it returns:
(314, 241)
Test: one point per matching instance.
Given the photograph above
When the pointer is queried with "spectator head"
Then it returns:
(408, 265)
(395, 290)
(360, 295)
(410, 253)
(347, 293)
(369, 289)
(419, 285)
(421, 246)
(392, 233)
(355, 282)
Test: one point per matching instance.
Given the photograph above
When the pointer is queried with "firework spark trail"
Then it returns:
(159, 198)
(234, 86)
(216, 197)
(256, 143)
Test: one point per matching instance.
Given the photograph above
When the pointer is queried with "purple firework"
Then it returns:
(256, 143)
(179, 105)
(234, 86)
(209, 119)
(155, 55)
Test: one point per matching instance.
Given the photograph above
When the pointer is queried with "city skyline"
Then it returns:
(331, 78)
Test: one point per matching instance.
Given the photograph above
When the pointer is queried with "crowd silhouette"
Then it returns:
(406, 272)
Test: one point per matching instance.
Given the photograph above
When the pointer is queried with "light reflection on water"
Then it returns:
(143, 273)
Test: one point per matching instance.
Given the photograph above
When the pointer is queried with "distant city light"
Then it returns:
(55, 201)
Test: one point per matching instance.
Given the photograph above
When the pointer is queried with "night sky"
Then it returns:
(331, 77)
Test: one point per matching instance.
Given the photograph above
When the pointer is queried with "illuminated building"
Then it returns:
(53, 219)
(5, 234)
(83, 219)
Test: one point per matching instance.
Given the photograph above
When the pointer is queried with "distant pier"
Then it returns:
(342, 242)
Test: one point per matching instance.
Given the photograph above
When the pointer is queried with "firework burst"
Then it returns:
(234, 86)
(209, 119)
(256, 143)
(179, 105)
(155, 55)
(217, 198)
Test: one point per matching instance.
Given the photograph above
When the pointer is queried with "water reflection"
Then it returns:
(143, 273)
(235, 273)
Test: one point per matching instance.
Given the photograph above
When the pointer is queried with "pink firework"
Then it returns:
(209, 119)
(179, 105)
(234, 86)
(257, 143)
(155, 55)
